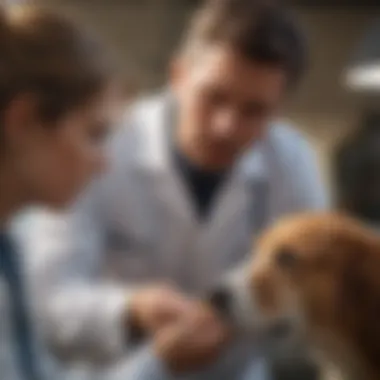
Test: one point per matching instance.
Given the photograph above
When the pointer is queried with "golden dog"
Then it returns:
(316, 276)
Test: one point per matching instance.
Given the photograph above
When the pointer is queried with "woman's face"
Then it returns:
(54, 162)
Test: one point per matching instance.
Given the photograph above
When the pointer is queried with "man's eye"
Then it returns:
(255, 110)
(286, 258)
(217, 98)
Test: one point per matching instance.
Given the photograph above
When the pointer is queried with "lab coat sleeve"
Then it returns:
(81, 313)
(143, 364)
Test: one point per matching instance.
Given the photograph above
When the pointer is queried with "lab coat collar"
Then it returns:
(157, 115)
(153, 117)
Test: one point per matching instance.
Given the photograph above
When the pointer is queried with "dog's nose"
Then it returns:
(221, 300)
(281, 329)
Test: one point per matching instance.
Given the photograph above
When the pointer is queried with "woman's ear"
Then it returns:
(19, 119)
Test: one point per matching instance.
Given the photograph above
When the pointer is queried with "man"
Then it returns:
(194, 175)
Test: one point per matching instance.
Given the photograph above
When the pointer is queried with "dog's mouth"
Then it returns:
(274, 331)
(224, 303)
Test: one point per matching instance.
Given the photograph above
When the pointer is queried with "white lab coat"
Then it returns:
(137, 224)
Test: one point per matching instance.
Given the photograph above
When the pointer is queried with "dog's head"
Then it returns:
(306, 273)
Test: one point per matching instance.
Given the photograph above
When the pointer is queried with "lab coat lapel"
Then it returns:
(239, 214)
(169, 191)
(172, 214)
(240, 195)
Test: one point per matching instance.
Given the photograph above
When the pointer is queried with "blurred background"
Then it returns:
(145, 34)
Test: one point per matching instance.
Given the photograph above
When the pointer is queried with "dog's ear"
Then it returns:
(359, 296)
(356, 269)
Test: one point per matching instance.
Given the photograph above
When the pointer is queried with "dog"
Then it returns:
(315, 277)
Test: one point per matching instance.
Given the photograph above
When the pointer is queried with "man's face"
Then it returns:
(226, 102)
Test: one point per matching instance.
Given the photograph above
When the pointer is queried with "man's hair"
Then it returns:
(262, 31)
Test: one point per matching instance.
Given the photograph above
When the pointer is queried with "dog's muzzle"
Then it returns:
(231, 298)
(235, 300)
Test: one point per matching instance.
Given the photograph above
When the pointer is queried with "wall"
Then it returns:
(143, 32)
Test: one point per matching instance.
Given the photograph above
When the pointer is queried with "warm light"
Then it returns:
(364, 77)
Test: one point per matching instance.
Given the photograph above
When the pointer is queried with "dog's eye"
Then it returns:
(286, 258)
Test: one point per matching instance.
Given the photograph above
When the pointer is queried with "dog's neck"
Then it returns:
(341, 356)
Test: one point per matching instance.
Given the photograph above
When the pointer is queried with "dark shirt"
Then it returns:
(203, 186)
(10, 270)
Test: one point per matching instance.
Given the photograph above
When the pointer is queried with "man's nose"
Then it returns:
(225, 124)
(221, 299)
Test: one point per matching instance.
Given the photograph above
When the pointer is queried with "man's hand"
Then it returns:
(192, 342)
(154, 307)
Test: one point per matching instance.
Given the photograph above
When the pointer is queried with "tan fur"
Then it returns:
(335, 280)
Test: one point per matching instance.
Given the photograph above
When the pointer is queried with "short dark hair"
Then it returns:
(52, 57)
(262, 31)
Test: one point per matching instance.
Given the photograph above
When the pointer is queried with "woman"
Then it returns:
(56, 102)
